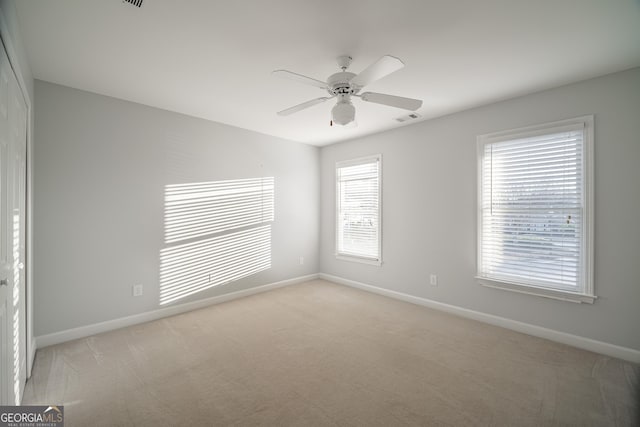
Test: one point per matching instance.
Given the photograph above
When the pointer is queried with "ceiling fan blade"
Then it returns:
(392, 100)
(379, 69)
(300, 78)
(302, 106)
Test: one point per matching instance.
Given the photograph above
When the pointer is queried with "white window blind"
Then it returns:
(533, 226)
(358, 209)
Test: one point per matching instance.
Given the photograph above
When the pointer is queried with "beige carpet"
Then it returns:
(324, 354)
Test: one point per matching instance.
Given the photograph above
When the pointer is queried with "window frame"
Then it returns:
(587, 293)
(348, 256)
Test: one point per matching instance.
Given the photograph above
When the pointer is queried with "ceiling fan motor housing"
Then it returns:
(339, 84)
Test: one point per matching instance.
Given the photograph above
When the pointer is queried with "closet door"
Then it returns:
(13, 125)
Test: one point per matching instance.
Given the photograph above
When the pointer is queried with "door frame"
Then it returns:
(7, 41)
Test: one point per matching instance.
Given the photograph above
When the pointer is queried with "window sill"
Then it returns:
(541, 292)
(361, 260)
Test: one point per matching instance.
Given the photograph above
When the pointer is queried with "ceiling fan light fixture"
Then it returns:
(343, 112)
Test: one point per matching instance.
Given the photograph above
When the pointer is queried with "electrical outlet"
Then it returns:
(301, 260)
(137, 290)
(433, 279)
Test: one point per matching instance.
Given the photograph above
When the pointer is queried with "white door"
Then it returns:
(17, 168)
(13, 114)
(5, 267)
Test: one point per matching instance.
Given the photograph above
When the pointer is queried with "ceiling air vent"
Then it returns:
(137, 3)
(408, 117)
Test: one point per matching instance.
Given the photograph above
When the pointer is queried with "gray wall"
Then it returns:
(101, 166)
(429, 208)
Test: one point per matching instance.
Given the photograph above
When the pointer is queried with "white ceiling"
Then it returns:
(213, 59)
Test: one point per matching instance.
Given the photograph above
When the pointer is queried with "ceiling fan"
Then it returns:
(343, 85)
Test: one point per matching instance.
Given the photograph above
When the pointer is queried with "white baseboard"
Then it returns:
(601, 347)
(109, 325)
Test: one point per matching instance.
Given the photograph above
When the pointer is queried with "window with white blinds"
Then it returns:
(534, 208)
(358, 209)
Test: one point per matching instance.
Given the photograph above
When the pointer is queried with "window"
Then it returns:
(358, 210)
(534, 210)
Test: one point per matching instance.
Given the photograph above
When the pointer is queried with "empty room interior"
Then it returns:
(337, 213)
